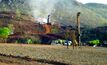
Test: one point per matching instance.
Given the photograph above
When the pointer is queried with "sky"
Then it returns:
(93, 1)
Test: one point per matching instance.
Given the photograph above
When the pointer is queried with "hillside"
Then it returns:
(61, 11)
(21, 24)
(100, 9)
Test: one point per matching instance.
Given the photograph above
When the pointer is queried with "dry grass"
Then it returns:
(6, 64)
(45, 54)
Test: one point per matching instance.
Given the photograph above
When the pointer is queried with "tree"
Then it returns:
(4, 33)
(67, 34)
(18, 13)
(5, 1)
(54, 30)
(11, 27)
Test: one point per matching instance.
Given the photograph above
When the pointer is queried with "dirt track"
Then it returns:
(6, 64)
(52, 55)
(6, 59)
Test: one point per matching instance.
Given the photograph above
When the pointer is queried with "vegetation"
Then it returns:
(29, 41)
(54, 30)
(98, 33)
(16, 16)
(95, 6)
(4, 32)
(91, 15)
(95, 42)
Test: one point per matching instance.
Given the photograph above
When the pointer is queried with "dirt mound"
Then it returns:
(22, 23)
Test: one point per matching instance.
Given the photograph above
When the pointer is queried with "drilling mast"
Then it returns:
(78, 28)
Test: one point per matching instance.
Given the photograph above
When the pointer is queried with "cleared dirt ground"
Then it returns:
(51, 55)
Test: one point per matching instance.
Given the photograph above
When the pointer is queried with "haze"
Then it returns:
(93, 1)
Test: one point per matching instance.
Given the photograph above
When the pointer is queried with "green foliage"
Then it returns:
(65, 11)
(29, 41)
(67, 34)
(18, 14)
(54, 30)
(98, 8)
(32, 39)
(95, 42)
(37, 40)
(4, 7)
(4, 32)
(11, 27)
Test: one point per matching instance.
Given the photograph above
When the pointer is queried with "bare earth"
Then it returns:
(52, 55)
(6, 64)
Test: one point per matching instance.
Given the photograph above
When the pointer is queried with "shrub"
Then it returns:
(95, 42)
(33, 39)
(54, 30)
(4, 32)
(37, 40)
(29, 41)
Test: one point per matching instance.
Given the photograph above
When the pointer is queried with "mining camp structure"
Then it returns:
(43, 30)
